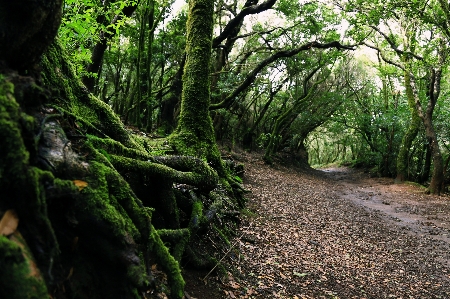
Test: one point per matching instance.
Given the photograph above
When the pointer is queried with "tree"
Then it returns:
(412, 35)
(433, 85)
(194, 134)
(80, 182)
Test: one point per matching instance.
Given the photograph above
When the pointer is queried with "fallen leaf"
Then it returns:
(300, 274)
(234, 285)
(80, 184)
(9, 223)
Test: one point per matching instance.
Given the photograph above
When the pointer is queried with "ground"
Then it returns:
(333, 233)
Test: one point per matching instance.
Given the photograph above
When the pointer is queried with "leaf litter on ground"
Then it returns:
(330, 234)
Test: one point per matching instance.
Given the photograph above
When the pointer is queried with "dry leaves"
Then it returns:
(80, 184)
(9, 223)
(312, 241)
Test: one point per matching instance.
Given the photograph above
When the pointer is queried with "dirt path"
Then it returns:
(402, 203)
(338, 234)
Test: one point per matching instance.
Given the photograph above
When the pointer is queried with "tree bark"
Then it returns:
(286, 116)
(194, 134)
(410, 135)
(27, 28)
(437, 177)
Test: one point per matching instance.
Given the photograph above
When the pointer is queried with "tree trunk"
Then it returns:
(167, 117)
(99, 49)
(410, 135)
(194, 134)
(287, 115)
(248, 136)
(427, 119)
(425, 173)
(437, 177)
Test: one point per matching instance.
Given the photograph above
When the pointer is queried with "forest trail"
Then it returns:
(336, 233)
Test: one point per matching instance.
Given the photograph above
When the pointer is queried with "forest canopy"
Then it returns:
(116, 119)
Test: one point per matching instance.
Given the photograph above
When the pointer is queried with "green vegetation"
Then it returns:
(112, 113)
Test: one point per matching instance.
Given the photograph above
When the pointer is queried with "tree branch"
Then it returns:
(393, 46)
(385, 59)
(229, 28)
(281, 54)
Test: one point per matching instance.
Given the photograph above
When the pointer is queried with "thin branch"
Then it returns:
(226, 253)
(385, 59)
(394, 46)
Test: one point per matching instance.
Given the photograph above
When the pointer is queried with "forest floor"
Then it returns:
(333, 233)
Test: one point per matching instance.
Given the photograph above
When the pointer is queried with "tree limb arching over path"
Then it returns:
(287, 53)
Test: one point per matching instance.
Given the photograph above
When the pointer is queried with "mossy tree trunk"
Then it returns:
(426, 116)
(411, 132)
(249, 134)
(437, 178)
(194, 134)
(286, 117)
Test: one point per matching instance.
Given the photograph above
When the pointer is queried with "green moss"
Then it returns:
(17, 280)
(178, 239)
(222, 235)
(100, 203)
(196, 215)
(13, 153)
(195, 133)
(115, 147)
(206, 180)
(58, 75)
(411, 133)
(169, 264)
(105, 153)
(107, 205)
(22, 185)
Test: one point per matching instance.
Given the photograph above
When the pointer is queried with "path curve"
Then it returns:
(339, 234)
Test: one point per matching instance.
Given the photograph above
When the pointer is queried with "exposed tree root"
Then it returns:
(88, 193)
